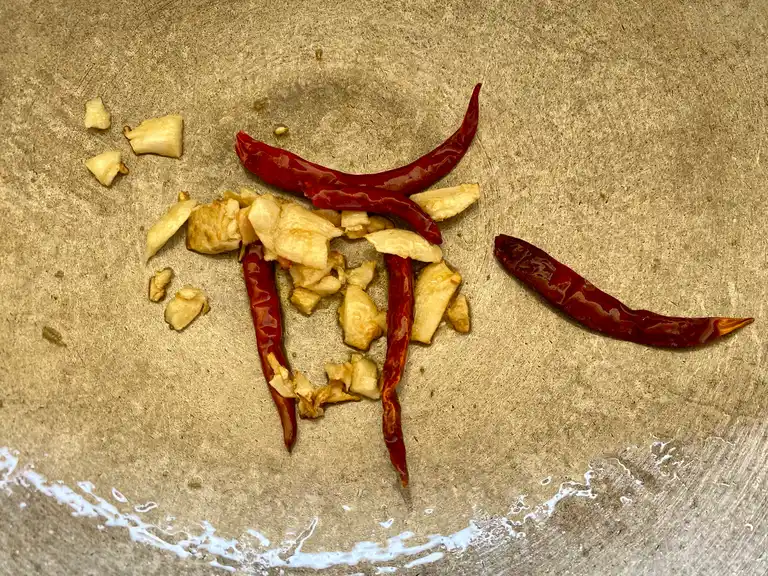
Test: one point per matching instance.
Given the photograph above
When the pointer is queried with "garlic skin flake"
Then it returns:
(96, 115)
(162, 136)
(106, 166)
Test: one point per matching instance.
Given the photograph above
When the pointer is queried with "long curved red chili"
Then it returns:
(259, 278)
(379, 202)
(593, 308)
(399, 324)
(293, 173)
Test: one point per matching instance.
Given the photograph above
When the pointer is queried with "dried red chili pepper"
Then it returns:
(399, 324)
(590, 306)
(259, 278)
(293, 173)
(379, 202)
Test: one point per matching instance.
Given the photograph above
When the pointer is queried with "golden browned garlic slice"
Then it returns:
(158, 283)
(458, 314)
(434, 289)
(359, 318)
(305, 276)
(365, 381)
(327, 286)
(169, 223)
(161, 136)
(354, 221)
(96, 115)
(213, 228)
(363, 275)
(281, 381)
(247, 233)
(305, 300)
(185, 306)
(106, 166)
(406, 244)
(375, 223)
(447, 202)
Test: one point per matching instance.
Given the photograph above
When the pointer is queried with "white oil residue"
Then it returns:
(252, 552)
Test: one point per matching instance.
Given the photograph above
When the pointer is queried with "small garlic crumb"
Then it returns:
(340, 373)
(163, 136)
(444, 203)
(158, 283)
(405, 244)
(458, 314)
(363, 275)
(305, 300)
(162, 230)
(96, 115)
(106, 166)
(185, 306)
(281, 129)
(326, 287)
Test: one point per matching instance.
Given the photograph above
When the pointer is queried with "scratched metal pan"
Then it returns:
(628, 142)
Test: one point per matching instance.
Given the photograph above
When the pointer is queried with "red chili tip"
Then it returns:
(727, 325)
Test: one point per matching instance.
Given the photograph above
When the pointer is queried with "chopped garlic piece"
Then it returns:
(353, 220)
(281, 380)
(406, 244)
(303, 246)
(359, 318)
(158, 283)
(331, 215)
(295, 217)
(458, 314)
(340, 373)
(374, 224)
(244, 197)
(264, 216)
(434, 289)
(213, 228)
(365, 380)
(247, 233)
(96, 116)
(187, 305)
(169, 223)
(305, 392)
(332, 393)
(327, 286)
(446, 202)
(161, 136)
(105, 166)
(305, 300)
(362, 275)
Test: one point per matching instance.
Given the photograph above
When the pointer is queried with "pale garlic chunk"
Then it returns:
(264, 215)
(444, 203)
(435, 287)
(375, 223)
(331, 215)
(340, 373)
(304, 237)
(360, 318)
(244, 197)
(247, 233)
(354, 221)
(106, 166)
(162, 230)
(363, 275)
(295, 217)
(458, 314)
(312, 400)
(327, 286)
(405, 244)
(163, 136)
(158, 283)
(305, 300)
(96, 115)
(281, 380)
(365, 379)
(185, 306)
(213, 228)
(305, 276)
